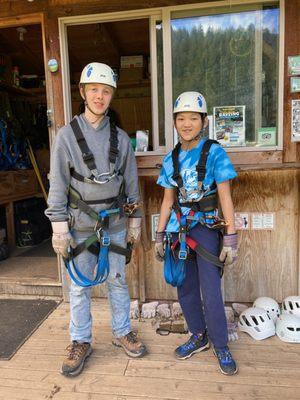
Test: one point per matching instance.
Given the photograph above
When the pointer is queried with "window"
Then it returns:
(231, 56)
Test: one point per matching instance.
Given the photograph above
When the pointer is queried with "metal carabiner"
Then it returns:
(102, 182)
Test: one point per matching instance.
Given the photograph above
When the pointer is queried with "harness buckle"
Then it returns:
(105, 241)
(182, 254)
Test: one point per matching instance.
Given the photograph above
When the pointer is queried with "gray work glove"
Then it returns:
(159, 247)
(62, 238)
(229, 250)
(134, 230)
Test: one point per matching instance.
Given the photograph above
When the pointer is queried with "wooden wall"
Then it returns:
(268, 263)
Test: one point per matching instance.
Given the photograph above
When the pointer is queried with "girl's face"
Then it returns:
(98, 96)
(188, 125)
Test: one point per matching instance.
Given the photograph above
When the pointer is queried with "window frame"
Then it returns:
(164, 14)
(168, 56)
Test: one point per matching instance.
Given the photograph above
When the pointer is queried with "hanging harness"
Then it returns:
(99, 243)
(177, 251)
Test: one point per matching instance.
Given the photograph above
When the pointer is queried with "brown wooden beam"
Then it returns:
(53, 80)
(291, 152)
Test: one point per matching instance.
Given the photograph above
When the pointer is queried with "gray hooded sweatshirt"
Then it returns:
(66, 154)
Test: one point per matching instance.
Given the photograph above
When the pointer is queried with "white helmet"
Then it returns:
(190, 101)
(288, 328)
(257, 323)
(98, 73)
(291, 305)
(270, 305)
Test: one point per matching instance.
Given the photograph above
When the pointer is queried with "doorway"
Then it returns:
(27, 257)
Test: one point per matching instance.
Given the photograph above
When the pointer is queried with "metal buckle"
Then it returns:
(182, 254)
(105, 241)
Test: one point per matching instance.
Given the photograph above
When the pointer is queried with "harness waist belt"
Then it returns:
(206, 204)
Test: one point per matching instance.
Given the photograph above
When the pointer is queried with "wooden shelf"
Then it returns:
(33, 92)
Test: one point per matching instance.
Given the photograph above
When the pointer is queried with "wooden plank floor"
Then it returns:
(268, 370)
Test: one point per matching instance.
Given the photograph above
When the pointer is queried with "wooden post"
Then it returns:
(10, 225)
(53, 79)
(54, 104)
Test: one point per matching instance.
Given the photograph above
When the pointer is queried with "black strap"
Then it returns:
(206, 204)
(94, 249)
(74, 199)
(201, 167)
(175, 158)
(114, 142)
(87, 155)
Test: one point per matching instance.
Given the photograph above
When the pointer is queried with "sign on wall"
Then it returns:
(154, 223)
(254, 221)
(229, 125)
(295, 121)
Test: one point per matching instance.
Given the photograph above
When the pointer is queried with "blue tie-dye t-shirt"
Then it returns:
(218, 169)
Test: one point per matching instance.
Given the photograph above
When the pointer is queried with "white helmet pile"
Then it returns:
(264, 319)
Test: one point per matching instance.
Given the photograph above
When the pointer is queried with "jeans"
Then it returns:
(118, 295)
(200, 294)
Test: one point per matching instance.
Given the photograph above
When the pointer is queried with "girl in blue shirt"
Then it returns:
(199, 294)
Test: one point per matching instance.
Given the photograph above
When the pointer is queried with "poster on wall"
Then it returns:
(154, 223)
(229, 125)
(295, 129)
(294, 65)
(242, 221)
(295, 84)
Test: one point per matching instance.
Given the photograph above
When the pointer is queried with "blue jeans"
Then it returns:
(200, 295)
(118, 295)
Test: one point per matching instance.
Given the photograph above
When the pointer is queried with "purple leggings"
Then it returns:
(200, 295)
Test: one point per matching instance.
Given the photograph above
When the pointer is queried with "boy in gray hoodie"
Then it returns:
(95, 160)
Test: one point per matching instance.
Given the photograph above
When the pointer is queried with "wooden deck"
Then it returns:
(269, 369)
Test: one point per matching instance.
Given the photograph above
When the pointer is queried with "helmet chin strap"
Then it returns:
(88, 107)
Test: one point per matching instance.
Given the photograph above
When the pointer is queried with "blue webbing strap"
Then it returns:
(103, 261)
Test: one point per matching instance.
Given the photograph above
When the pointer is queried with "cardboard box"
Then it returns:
(131, 74)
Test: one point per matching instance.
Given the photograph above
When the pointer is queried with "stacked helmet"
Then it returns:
(288, 328)
(257, 323)
(270, 305)
(98, 73)
(291, 305)
(191, 102)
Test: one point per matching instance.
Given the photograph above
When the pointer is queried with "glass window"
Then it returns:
(231, 57)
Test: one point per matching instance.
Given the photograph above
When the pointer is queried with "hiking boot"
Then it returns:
(131, 345)
(195, 344)
(77, 354)
(226, 362)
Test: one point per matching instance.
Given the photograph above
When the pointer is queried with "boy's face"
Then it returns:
(188, 125)
(98, 96)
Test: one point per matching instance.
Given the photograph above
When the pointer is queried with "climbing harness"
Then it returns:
(89, 160)
(177, 250)
(98, 243)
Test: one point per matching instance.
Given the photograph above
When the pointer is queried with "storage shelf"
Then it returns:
(15, 89)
